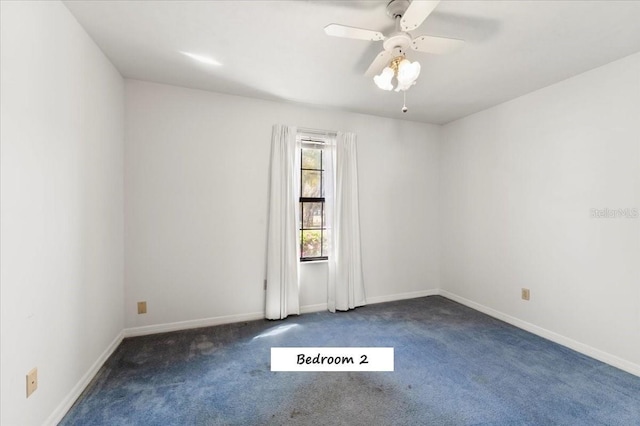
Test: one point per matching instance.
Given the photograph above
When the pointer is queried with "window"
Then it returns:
(313, 229)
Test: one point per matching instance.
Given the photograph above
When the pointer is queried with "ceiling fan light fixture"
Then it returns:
(408, 15)
(383, 81)
(407, 74)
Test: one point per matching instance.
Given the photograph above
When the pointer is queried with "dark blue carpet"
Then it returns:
(453, 366)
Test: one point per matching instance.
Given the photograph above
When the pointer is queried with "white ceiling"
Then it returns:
(278, 49)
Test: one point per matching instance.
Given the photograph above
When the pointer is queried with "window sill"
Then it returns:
(312, 262)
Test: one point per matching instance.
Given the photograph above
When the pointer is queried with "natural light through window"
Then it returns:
(313, 229)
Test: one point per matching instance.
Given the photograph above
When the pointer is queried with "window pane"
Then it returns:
(311, 215)
(311, 243)
(311, 183)
(311, 158)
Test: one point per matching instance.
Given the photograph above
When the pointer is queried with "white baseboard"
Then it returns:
(313, 308)
(185, 325)
(62, 409)
(373, 300)
(208, 322)
(402, 296)
(605, 357)
(228, 319)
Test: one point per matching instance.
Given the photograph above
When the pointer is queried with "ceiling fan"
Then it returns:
(391, 62)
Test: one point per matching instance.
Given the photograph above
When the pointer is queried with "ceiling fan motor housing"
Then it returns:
(399, 40)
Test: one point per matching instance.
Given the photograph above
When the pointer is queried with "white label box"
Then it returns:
(332, 359)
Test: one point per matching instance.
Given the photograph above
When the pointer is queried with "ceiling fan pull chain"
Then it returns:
(404, 101)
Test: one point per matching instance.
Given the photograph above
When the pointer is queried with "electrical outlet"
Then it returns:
(32, 381)
(142, 307)
(525, 294)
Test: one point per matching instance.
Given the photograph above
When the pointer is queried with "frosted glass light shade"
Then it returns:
(383, 80)
(408, 72)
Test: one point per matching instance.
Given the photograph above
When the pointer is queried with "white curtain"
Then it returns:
(346, 285)
(283, 244)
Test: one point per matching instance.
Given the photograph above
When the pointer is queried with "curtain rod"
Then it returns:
(318, 131)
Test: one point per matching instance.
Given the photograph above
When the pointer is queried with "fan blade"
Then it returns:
(437, 45)
(416, 13)
(337, 30)
(379, 63)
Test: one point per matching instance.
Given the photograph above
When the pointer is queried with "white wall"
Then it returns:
(61, 207)
(196, 170)
(518, 182)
